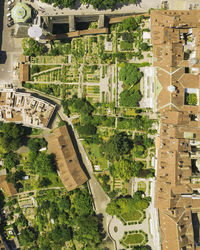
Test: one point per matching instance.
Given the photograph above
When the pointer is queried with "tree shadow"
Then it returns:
(1, 22)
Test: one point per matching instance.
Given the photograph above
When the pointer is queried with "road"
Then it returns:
(10, 49)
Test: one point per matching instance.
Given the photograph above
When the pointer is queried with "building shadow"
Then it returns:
(3, 57)
(1, 21)
(74, 142)
(195, 223)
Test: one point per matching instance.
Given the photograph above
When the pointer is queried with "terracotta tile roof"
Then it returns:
(174, 193)
(8, 188)
(24, 73)
(70, 171)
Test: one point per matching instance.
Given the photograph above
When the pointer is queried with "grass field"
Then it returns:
(134, 239)
(135, 215)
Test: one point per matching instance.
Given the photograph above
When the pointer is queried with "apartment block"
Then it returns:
(24, 108)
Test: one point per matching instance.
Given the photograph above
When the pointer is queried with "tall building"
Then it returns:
(175, 36)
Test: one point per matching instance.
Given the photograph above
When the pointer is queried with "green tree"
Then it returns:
(139, 150)
(32, 47)
(117, 145)
(87, 130)
(60, 234)
(27, 237)
(121, 205)
(125, 169)
(129, 74)
(11, 160)
(44, 182)
(22, 221)
(44, 164)
(88, 231)
(129, 24)
(83, 202)
(34, 144)
(130, 98)
(144, 46)
(11, 136)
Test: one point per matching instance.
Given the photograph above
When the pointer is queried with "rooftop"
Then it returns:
(70, 171)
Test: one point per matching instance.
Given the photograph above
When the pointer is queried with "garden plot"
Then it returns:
(134, 238)
(70, 74)
(48, 59)
(92, 93)
(78, 49)
(91, 74)
(50, 76)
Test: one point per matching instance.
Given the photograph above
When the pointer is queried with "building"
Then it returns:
(6, 187)
(24, 72)
(69, 168)
(176, 48)
(24, 108)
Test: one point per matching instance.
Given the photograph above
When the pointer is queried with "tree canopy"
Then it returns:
(83, 202)
(34, 144)
(144, 46)
(117, 145)
(11, 136)
(129, 24)
(130, 98)
(60, 234)
(87, 130)
(88, 230)
(121, 205)
(129, 74)
(11, 160)
(125, 169)
(44, 164)
(27, 236)
(32, 47)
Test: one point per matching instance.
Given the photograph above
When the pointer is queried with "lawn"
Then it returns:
(134, 239)
(141, 186)
(134, 215)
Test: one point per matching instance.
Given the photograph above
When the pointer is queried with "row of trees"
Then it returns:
(103, 4)
(130, 75)
(121, 205)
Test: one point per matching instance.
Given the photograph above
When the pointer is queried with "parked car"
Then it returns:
(9, 3)
(10, 18)
(9, 14)
(9, 8)
(10, 24)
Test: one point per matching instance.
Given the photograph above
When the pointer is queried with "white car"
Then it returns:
(9, 14)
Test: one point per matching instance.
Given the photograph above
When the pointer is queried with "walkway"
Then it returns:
(117, 236)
